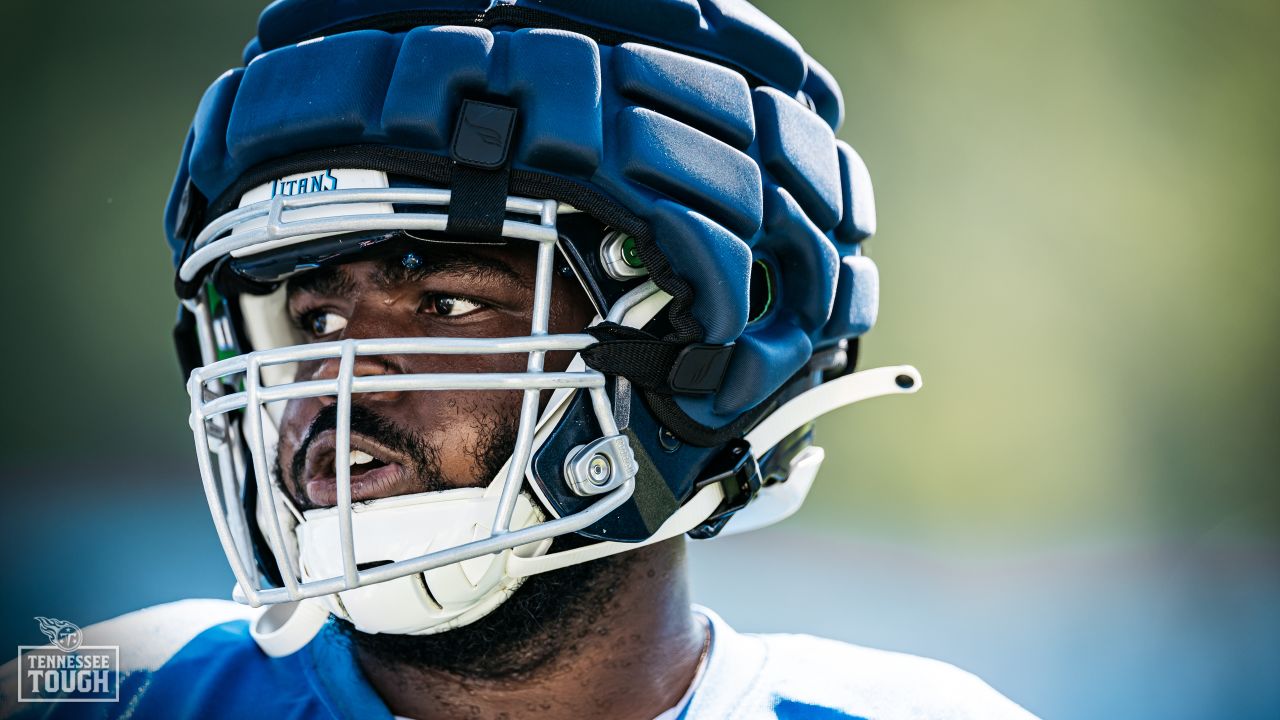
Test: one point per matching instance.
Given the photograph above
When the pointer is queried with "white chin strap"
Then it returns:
(395, 529)
(457, 594)
(406, 527)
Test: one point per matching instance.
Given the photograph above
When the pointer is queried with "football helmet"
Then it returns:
(677, 160)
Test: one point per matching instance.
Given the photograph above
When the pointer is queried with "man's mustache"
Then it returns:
(365, 422)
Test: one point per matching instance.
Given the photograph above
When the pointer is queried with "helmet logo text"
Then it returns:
(319, 182)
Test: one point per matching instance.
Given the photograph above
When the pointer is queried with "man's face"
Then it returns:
(410, 442)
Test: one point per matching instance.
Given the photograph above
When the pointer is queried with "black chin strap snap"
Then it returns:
(656, 365)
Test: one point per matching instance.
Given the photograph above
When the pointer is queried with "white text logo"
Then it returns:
(67, 670)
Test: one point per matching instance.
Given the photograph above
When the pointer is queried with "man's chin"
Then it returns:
(527, 633)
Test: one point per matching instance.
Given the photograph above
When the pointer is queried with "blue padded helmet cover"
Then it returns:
(702, 118)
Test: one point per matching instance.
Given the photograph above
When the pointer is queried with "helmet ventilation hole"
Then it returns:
(760, 299)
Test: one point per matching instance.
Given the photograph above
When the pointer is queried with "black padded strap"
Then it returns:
(481, 175)
(656, 365)
(478, 203)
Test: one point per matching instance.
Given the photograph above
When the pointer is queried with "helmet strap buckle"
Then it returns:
(738, 474)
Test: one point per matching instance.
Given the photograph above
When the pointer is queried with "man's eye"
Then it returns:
(321, 324)
(450, 306)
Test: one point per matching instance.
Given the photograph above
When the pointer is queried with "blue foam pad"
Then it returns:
(440, 66)
(857, 299)
(798, 148)
(823, 90)
(704, 95)
(322, 93)
(692, 243)
(858, 221)
(285, 22)
(769, 357)
(208, 157)
(561, 120)
(690, 166)
(805, 259)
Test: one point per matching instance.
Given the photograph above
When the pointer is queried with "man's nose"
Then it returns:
(361, 325)
(370, 366)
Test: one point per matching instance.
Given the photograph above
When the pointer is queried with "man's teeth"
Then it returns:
(359, 457)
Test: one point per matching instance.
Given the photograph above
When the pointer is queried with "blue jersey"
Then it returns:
(195, 659)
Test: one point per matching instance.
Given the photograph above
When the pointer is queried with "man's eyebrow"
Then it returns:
(392, 270)
(330, 281)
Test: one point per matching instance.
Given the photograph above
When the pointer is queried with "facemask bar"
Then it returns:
(214, 242)
(214, 398)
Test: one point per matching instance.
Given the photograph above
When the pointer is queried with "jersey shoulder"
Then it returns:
(151, 637)
(811, 671)
(171, 655)
(801, 677)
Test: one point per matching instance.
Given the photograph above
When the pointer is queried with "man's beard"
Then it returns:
(545, 618)
(549, 614)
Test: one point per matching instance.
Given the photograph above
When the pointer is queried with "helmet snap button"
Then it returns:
(667, 439)
(599, 469)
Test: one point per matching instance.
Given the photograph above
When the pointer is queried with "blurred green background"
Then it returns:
(1078, 241)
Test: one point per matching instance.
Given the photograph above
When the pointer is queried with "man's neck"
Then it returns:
(633, 660)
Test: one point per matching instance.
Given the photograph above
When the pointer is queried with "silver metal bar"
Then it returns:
(394, 196)
(414, 196)
(258, 449)
(514, 479)
(275, 219)
(542, 289)
(302, 230)
(224, 516)
(539, 325)
(228, 478)
(240, 523)
(486, 546)
(485, 346)
(634, 297)
(227, 471)
(408, 383)
(342, 464)
(548, 210)
(604, 411)
(204, 330)
(399, 346)
(216, 509)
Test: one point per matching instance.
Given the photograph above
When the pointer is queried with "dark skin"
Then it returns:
(624, 644)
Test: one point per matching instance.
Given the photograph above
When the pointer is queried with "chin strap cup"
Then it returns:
(286, 628)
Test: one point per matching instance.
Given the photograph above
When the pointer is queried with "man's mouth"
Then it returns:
(376, 471)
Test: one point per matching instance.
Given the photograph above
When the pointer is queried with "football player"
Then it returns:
(485, 308)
